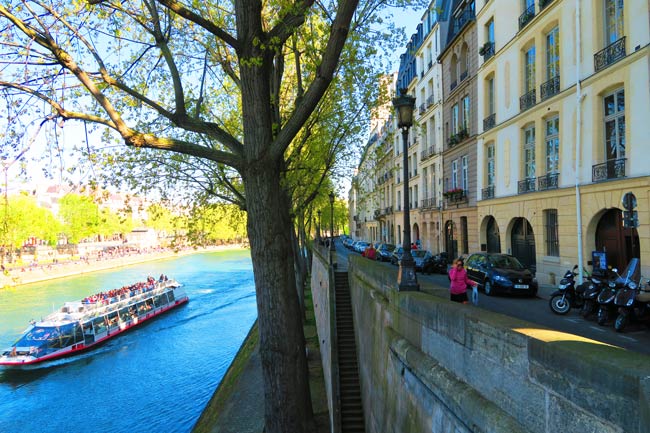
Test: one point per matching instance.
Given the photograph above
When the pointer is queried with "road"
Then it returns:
(636, 337)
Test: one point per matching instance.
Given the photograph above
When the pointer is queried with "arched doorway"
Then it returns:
(621, 244)
(492, 236)
(523, 243)
(451, 244)
(415, 233)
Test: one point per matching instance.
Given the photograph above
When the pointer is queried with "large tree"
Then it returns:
(230, 84)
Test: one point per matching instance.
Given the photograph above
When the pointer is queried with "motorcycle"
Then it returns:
(598, 281)
(606, 298)
(567, 295)
(633, 304)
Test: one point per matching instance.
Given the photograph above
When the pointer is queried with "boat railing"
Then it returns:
(92, 310)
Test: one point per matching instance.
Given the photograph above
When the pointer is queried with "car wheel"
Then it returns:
(487, 288)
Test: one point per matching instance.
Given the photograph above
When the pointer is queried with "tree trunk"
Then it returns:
(297, 265)
(282, 344)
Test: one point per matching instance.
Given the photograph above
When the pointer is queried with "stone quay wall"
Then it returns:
(428, 364)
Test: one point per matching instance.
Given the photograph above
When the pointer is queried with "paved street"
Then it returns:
(536, 310)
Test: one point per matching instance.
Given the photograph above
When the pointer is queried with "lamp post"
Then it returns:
(318, 226)
(406, 279)
(332, 221)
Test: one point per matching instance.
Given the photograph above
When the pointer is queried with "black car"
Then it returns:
(496, 272)
(436, 264)
(384, 252)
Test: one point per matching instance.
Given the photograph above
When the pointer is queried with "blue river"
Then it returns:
(155, 378)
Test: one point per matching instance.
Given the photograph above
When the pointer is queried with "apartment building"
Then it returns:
(563, 132)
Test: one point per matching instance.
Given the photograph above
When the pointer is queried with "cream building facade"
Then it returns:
(564, 124)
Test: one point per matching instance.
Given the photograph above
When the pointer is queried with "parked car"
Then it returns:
(396, 255)
(384, 252)
(360, 246)
(438, 263)
(348, 242)
(422, 259)
(496, 272)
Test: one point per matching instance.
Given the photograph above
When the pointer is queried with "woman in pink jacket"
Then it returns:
(459, 282)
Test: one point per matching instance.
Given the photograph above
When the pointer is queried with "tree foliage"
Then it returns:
(24, 219)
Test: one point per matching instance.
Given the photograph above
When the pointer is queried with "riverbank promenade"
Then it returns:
(20, 275)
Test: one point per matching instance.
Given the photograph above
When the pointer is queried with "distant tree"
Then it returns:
(208, 224)
(26, 219)
(80, 215)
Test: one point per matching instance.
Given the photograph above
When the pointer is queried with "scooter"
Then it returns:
(567, 296)
(607, 308)
(590, 296)
(633, 304)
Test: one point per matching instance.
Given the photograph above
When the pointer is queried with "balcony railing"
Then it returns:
(527, 16)
(610, 54)
(487, 193)
(487, 50)
(527, 100)
(427, 153)
(377, 213)
(423, 108)
(429, 101)
(455, 196)
(388, 210)
(548, 181)
(459, 22)
(463, 75)
(428, 203)
(543, 4)
(489, 122)
(453, 85)
(526, 185)
(610, 169)
(550, 88)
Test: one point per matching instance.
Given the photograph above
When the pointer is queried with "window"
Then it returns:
(552, 238)
(489, 30)
(465, 119)
(529, 152)
(464, 174)
(454, 174)
(553, 53)
(454, 119)
(490, 95)
(490, 164)
(615, 125)
(552, 145)
(613, 21)
(529, 69)
(425, 183)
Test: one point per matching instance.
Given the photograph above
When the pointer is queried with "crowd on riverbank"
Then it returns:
(107, 259)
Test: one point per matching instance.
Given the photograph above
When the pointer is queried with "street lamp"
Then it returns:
(318, 227)
(332, 221)
(406, 279)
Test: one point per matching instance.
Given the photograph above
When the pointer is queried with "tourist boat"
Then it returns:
(81, 325)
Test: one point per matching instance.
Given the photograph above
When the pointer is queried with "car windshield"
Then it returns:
(505, 262)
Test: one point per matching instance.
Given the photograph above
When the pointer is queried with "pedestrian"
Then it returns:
(459, 282)
(370, 252)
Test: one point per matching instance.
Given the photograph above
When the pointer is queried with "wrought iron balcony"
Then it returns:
(429, 101)
(550, 88)
(453, 85)
(487, 193)
(527, 100)
(423, 108)
(428, 203)
(610, 54)
(428, 153)
(455, 196)
(543, 4)
(463, 75)
(610, 169)
(489, 122)
(527, 16)
(526, 185)
(487, 50)
(548, 181)
(388, 210)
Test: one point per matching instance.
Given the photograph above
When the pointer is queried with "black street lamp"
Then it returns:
(332, 221)
(318, 227)
(406, 279)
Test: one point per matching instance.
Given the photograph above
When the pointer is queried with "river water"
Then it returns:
(155, 378)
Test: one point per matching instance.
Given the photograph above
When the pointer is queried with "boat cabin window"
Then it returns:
(149, 303)
(170, 295)
(124, 314)
(100, 324)
(43, 337)
(112, 319)
(160, 300)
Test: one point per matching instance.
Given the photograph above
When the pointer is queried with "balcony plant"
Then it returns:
(454, 194)
(485, 48)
